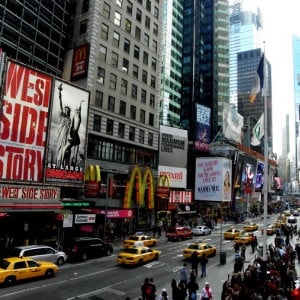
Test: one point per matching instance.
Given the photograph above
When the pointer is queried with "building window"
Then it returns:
(124, 86)
(132, 112)
(99, 99)
(151, 119)
(143, 96)
(113, 81)
(142, 116)
(126, 47)
(148, 5)
(117, 19)
(156, 12)
(97, 123)
(128, 26)
(136, 52)
(104, 32)
(146, 39)
(131, 133)
(137, 34)
(153, 63)
(145, 58)
(135, 71)
(109, 127)
(85, 6)
(154, 46)
(140, 2)
(152, 100)
(153, 81)
(103, 53)
(100, 75)
(121, 130)
(144, 76)
(114, 59)
(106, 10)
(111, 103)
(155, 29)
(116, 39)
(138, 15)
(150, 139)
(129, 7)
(83, 27)
(119, 2)
(122, 110)
(125, 65)
(147, 22)
(134, 91)
(142, 136)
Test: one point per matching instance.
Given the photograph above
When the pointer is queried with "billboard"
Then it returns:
(248, 174)
(233, 123)
(177, 176)
(213, 180)
(173, 147)
(67, 137)
(259, 177)
(23, 123)
(80, 62)
(203, 127)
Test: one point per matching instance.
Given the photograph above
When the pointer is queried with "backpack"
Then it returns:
(148, 290)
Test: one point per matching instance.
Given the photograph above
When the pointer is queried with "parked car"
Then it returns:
(201, 230)
(145, 239)
(136, 256)
(179, 233)
(82, 248)
(40, 253)
(200, 248)
(14, 269)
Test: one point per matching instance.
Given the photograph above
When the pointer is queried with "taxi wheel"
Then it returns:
(84, 256)
(140, 262)
(108, 252)
(156, 257)
(10, 280)
(154, 244)
(49, 273)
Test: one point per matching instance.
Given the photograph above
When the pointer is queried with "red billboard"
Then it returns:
(80, 62)
(23, 123)
(67, 136)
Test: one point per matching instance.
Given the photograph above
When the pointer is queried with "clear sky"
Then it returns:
(281, 19)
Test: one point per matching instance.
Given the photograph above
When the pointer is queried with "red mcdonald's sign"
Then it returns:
(80, 62)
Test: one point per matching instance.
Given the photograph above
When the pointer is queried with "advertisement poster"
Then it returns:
(67, 138)
(248, 175)
(23, 123)
(203, 119)
(259, 177)
(213, 181)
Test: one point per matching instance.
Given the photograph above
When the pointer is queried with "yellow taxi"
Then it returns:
(280, 221)
(231, 233)
(14, 269)
(137, 238)
(250, 226)
(136, 256)
(271, 229)
(244, 238)
(200, 248)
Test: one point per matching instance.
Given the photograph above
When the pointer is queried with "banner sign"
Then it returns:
(67, 138)
(181, 197)
(248, 175)
(85, 219)
(29, 192)
(213, 180)
(203, 128)
(24, 123)
(177, 176)
(80, 62)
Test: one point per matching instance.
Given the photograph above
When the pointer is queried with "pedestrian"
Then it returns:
(236, 247)
(206, 292)
(154, 231)
(243, 252)
(182, 291)
(195, 261)
(175, 290)
(192, 287)
(253, 243)
(203, 262)
(163, 295)
(148, 290)
(159, 231)
(183, 274)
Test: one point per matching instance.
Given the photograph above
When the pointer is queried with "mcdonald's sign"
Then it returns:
(140, 184)
(92, 178)
(80, 62)
(163, 187)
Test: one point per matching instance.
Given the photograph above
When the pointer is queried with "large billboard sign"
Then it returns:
(248, 174)
(177, 176)
(80, 62)
(23, 123)
(203, 127)
(67, 137)
(259, 177)
(213, 180)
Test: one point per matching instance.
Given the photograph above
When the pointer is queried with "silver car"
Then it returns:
(201, 230)
(40, 253)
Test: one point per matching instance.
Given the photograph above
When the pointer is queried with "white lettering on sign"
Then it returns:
(85, 219)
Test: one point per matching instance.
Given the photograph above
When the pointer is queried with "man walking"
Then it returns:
(183, 274)
(203, 262)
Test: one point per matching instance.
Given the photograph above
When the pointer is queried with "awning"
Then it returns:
(11, 207)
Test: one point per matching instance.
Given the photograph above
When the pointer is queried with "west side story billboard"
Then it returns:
(173, 155)
(203, 127)
(32, 119)
(213, 179)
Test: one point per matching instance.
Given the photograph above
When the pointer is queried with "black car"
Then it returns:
(83, 248)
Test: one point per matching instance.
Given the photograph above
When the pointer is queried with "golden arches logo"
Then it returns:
(92, 173)
(139, 182)
(163, 186)
(163, 181)
(80, 53)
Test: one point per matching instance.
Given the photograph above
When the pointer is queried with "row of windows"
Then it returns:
(121, 128)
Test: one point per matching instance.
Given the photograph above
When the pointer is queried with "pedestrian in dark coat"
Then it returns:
(203, 262)
(195, 262)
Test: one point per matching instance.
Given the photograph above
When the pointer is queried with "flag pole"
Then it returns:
(266, 167)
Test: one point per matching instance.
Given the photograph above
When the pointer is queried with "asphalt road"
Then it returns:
(101, 278)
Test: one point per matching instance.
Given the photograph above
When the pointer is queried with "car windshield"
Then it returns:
(4, 264)
(131, 251)
(194, 246)
(133, 238)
